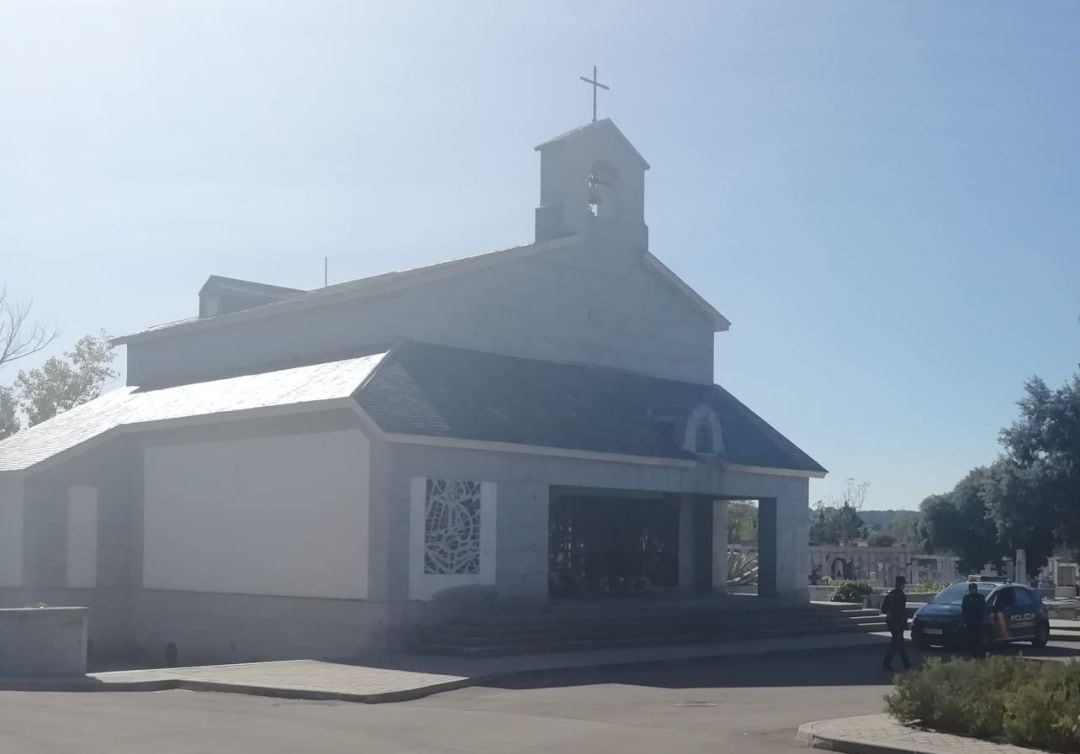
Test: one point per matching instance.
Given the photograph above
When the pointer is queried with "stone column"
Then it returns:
(769, 547)
(719, 546)
(686, 543)
(792, 513)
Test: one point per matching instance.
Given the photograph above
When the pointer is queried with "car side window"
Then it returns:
(1005, 598)
(1026, 598)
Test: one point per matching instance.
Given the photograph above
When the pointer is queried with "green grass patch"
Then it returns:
(1006, 699)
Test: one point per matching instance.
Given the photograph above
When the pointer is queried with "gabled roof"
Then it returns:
(453, 393)
(369, 286)
(445, 393)
(604, 124)
(130, 406)
(391, 281)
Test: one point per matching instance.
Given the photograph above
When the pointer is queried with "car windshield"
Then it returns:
(954, 595)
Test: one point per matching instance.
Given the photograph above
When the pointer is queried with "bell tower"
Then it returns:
(592, 180)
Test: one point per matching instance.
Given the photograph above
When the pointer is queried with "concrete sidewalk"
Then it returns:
(880, 734)
(408, 676)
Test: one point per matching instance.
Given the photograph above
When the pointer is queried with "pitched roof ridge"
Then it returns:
(359, 286)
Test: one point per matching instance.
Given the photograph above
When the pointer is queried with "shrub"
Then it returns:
(1023, 702)
(927, 587)
(852, 591)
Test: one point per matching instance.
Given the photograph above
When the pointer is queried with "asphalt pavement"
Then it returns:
(746, 704)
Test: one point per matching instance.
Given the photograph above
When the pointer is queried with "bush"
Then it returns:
(1022, 702)
(852, 591)
(927, 587)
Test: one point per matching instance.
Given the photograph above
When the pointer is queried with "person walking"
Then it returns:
(974, 609)
(894, 606)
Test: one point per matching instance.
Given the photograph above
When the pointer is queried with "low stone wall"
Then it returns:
(43, 641)
(875, 600)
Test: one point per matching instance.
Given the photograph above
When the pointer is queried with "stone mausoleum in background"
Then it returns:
(298, 473)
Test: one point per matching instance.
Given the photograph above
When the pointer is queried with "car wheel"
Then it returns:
(1042, 635)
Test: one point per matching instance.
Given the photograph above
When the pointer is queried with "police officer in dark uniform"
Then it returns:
(974, 609)
(894, 606)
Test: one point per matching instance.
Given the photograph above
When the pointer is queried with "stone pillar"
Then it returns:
(768, 547)
(792, 532)
(686, 543)
(719, 546)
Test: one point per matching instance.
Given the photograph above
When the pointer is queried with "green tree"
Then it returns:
(878, 539)
(1041, 473)
(62, 383)
(836, 520)
(836, 526)
(742, 523)
(9, 417)
(1023, 510)
(960, 523)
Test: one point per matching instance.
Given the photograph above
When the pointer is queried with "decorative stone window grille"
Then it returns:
(452, 527)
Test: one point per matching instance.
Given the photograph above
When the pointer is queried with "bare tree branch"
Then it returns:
(19, 336)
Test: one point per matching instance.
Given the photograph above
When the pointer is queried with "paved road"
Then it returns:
(750, 705)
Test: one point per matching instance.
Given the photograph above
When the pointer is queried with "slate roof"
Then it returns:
(444, 392)
(453, 393)
(130, 406)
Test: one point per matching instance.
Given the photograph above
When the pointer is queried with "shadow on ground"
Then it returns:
(859, 666)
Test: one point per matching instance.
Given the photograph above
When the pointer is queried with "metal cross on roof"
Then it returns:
(595, 85)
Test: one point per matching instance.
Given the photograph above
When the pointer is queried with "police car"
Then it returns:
(1013, 613)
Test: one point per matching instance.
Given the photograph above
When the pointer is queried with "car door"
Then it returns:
(1002, 604)
(1025, 613)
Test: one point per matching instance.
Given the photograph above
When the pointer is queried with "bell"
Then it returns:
(594, 189)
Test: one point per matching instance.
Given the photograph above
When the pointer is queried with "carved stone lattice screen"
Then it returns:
(452, 527)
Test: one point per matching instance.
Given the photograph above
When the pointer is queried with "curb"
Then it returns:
(80, 684)
(278, 692)
(810, 734)
(437, 688)
(83, 684)
(807, 736)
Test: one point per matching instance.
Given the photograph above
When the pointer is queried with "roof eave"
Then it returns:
(719, 322)
(602, 123)
(334, 294)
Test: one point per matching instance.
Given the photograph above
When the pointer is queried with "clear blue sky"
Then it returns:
(883, 197)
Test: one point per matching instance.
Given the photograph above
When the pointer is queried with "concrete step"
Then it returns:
(631, 639)
(496, 649)
(515, 622)
(644, 627)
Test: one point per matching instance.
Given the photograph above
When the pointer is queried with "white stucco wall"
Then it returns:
(592, 302)
(82, 535)
(275, 515)
(424, 586)
(11, 532)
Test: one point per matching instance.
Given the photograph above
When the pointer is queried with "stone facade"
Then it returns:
(879, 565)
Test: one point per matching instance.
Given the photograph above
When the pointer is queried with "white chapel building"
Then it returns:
(310, 473)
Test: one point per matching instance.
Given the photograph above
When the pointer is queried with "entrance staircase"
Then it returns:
(645, 621)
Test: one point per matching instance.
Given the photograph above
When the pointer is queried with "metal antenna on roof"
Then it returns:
(325, 271)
